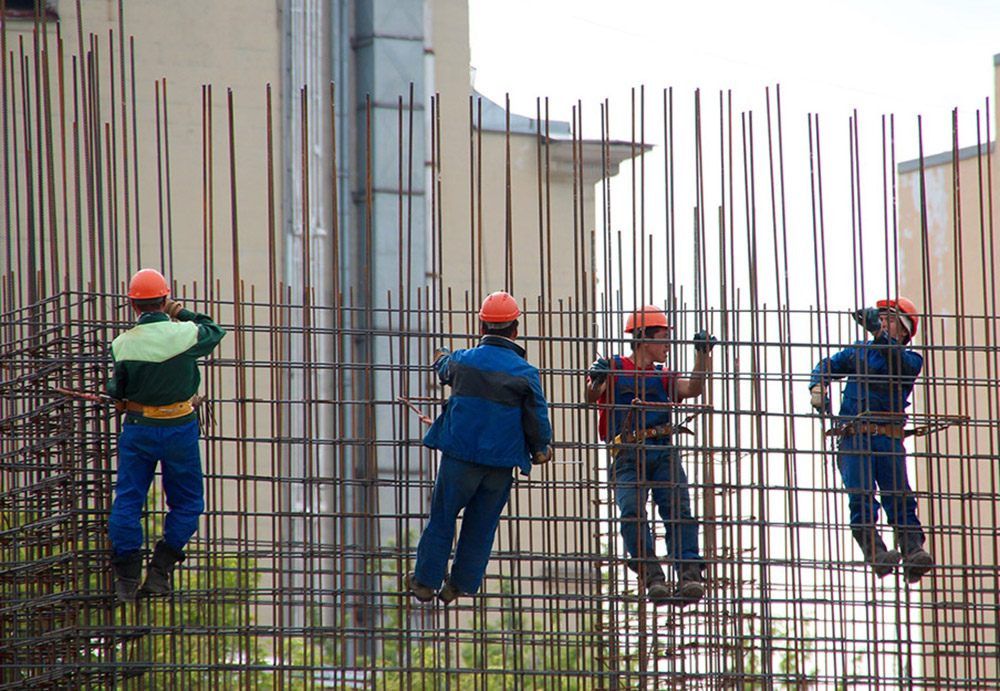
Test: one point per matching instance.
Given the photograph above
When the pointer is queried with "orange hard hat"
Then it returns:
(646, 317)
(907, 311)
(499, 307)
(148, 284)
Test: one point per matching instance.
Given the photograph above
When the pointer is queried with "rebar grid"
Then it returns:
(317, 484)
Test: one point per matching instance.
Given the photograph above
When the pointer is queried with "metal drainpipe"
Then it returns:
(305, 55)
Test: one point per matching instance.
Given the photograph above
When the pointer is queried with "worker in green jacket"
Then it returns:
(155, 379)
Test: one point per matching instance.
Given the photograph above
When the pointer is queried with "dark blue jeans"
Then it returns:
(140, 448)
(481, 490)
(658, 470)
(865, 462)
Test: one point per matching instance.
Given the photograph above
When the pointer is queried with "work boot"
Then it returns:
(690, 586)
(883, 560)
(449, 593)
(917, 561)
(657, 590)
(161, 569)
(128, 569)
(418, 590)
(652, 579)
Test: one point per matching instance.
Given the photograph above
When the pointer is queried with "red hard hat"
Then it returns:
(646, 318)
(148, 284)
(499, 307)
(906, 307)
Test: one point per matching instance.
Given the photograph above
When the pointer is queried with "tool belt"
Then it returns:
(162, 412)
(868, 429)
(632, 437)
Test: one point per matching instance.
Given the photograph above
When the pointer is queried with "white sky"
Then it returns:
(901, 57)
(906, 57)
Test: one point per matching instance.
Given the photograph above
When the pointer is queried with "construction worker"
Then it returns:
(642, 444)
(880, 376)
(155, 378)
(496, 419)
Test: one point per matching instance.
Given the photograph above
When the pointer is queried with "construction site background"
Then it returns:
(316, 482)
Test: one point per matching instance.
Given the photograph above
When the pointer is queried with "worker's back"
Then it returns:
(496, 414)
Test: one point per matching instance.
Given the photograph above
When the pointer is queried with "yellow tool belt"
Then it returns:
(868, 429)
(633, 437)
(161, 412)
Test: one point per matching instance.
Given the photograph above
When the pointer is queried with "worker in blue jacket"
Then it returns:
(155, 380)
(880, 376)
(496, 419)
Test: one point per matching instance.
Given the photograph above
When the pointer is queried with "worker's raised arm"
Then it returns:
(597, 379)
(442, 359)
(893, 358)
(209, 333)
(694, 384)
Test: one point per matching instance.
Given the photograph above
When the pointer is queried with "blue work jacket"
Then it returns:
(497, 414)
(880, 375)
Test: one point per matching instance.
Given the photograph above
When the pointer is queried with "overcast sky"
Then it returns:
(901, 57)
(906, 57)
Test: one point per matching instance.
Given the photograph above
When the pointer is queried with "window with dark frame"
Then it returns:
(28, 9)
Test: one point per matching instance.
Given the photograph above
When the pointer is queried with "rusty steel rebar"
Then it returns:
(317, 484)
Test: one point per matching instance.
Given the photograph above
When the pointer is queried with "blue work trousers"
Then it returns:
(482, 491)
(867, 461)
(140, 448)
(658, 470)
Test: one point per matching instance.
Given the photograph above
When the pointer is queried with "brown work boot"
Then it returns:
(651, 578)
(882, 560)
(449, 593)
(690, 586)
(917, 564)
(422, 592)
(917, 561)
(657, 590)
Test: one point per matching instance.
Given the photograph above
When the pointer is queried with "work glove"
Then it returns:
(599, 371)
(703, 343)
(440, 353)
(819, 400)
(172, 308)
(542, 457)
(867, 317)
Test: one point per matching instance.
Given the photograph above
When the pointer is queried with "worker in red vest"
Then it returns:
(646, 459)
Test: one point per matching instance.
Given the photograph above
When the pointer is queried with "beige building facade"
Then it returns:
(218, 159)
(949, 259)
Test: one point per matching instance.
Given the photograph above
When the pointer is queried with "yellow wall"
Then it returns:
(187, 54)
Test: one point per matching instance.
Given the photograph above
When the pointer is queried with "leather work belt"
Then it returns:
(635, 436)
(161, 412)
(869, 429)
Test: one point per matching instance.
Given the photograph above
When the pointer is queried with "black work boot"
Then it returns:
(690, 586)
(917, 561)
(882, 560)
(128, 569)
(161, 568)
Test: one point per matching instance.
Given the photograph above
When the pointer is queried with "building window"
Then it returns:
(27, 9)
